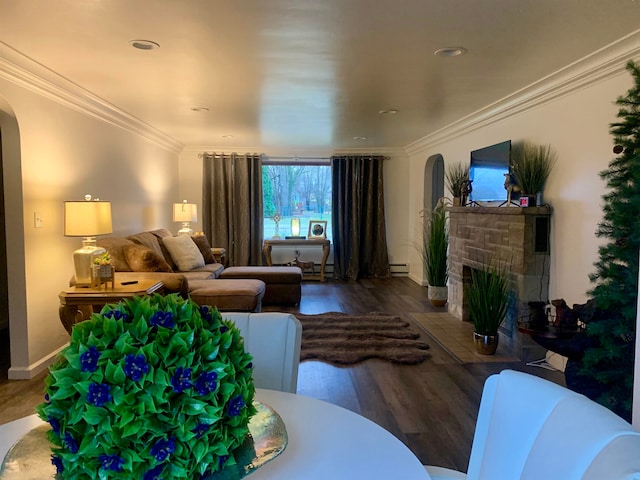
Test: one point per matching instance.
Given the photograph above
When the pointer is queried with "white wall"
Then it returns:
(577, 126)
(51, 153)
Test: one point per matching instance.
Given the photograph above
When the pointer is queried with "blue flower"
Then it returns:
(205, 312)
(70, 443)
(116, 315)
(55, 425)
(111, 462)
(154, 473)
(206, 383)
(163, 448)
(223, 328)
(89, 360)
(99, 394)
(135, 366)
(162, 319)
(201, 429)
(181, 379)
(57, 462)
(222, 459)
(47, 399)
(235, 405)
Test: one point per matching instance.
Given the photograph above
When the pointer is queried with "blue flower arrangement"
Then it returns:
(150, 388)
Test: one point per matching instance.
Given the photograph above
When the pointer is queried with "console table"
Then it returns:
(301, 242)
(77, 303)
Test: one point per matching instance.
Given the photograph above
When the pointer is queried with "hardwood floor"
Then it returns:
(431, 407)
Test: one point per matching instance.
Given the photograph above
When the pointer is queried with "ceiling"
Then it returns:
(308, 73)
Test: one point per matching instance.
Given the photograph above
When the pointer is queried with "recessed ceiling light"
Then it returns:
(359, 138)
(227, 136)
(390, 111)
(144, 44)
(450, 51)
(200, 109)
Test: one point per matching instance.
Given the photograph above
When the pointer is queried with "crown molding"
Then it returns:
(599, 66)
(30, 75)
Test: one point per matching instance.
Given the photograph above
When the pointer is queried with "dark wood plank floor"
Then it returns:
(431, 407)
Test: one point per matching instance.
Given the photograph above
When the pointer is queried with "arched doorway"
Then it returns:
(433, 182)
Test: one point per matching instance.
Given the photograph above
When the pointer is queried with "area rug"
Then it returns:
(343, 339)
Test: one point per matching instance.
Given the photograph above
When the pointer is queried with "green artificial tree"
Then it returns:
(609, 358)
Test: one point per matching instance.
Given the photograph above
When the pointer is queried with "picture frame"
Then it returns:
(317, 229)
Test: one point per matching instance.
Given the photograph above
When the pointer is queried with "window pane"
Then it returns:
(295, 191)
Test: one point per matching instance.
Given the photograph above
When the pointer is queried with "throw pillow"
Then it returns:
(202, 243)
(143, 259)
(184, 252)
(115, 248)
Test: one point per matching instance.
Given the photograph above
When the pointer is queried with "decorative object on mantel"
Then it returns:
(458, 183)
(488, 296)
(87, 219)
(152, 387)
(531, 166)
(435, 240)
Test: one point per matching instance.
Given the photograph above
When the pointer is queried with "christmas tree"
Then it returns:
(609, 359)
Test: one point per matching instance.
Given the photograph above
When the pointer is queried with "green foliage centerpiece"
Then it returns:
(153, 387)
(435, 240)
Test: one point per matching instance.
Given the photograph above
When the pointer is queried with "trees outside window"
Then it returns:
(297, 189)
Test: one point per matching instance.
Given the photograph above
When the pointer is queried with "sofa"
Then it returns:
(186, 265)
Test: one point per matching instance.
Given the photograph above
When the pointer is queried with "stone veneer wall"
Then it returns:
(479, 235)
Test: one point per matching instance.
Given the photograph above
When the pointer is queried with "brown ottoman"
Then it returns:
(228, 295)
(283, 284)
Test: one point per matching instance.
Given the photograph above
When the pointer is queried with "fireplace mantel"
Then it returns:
(516, 237)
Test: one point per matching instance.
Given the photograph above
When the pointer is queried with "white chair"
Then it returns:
(531, 429)
(274, 341)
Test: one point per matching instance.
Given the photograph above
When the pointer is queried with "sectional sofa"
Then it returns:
(186, 265)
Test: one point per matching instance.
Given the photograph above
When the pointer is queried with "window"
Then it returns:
(295, 190)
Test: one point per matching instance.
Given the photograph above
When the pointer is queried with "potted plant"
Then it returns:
(488, 295)
(435, 239)
(457, 177)
(530, 168)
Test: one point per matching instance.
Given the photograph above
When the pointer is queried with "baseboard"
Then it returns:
(27, 373)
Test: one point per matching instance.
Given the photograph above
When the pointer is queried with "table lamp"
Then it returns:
(186, 213)
(86, 219)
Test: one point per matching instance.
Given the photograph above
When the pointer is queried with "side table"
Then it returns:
(301, 242)
(78, 303)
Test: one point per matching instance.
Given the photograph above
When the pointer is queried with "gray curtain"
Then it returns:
(232, 205)
(359, 231)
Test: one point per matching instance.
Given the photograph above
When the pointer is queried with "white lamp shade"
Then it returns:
(185, 212)
(87, 218)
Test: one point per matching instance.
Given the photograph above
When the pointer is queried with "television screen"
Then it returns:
(487, 171)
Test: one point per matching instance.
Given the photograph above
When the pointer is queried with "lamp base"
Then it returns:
(83, 260)
(186, 229)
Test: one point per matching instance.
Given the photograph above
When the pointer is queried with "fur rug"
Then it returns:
(343, 339)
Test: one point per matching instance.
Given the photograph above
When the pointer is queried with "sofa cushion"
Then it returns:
(147, 239)
(142, 259)
(184, 252)
(160, 234)
(114, 246)
(203, 245)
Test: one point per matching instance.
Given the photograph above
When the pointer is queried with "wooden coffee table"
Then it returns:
(78, 303)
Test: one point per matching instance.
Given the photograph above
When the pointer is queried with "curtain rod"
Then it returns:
(296, 158)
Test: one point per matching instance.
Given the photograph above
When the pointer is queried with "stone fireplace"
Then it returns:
(517, 238)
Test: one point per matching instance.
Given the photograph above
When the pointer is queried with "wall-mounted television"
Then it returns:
(487, 171)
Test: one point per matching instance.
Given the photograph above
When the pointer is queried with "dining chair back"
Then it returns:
(530, 429)
(273, 339)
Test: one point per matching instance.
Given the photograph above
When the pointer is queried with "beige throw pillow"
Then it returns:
(184, 252)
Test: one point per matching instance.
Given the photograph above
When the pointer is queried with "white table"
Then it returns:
(325, 442)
